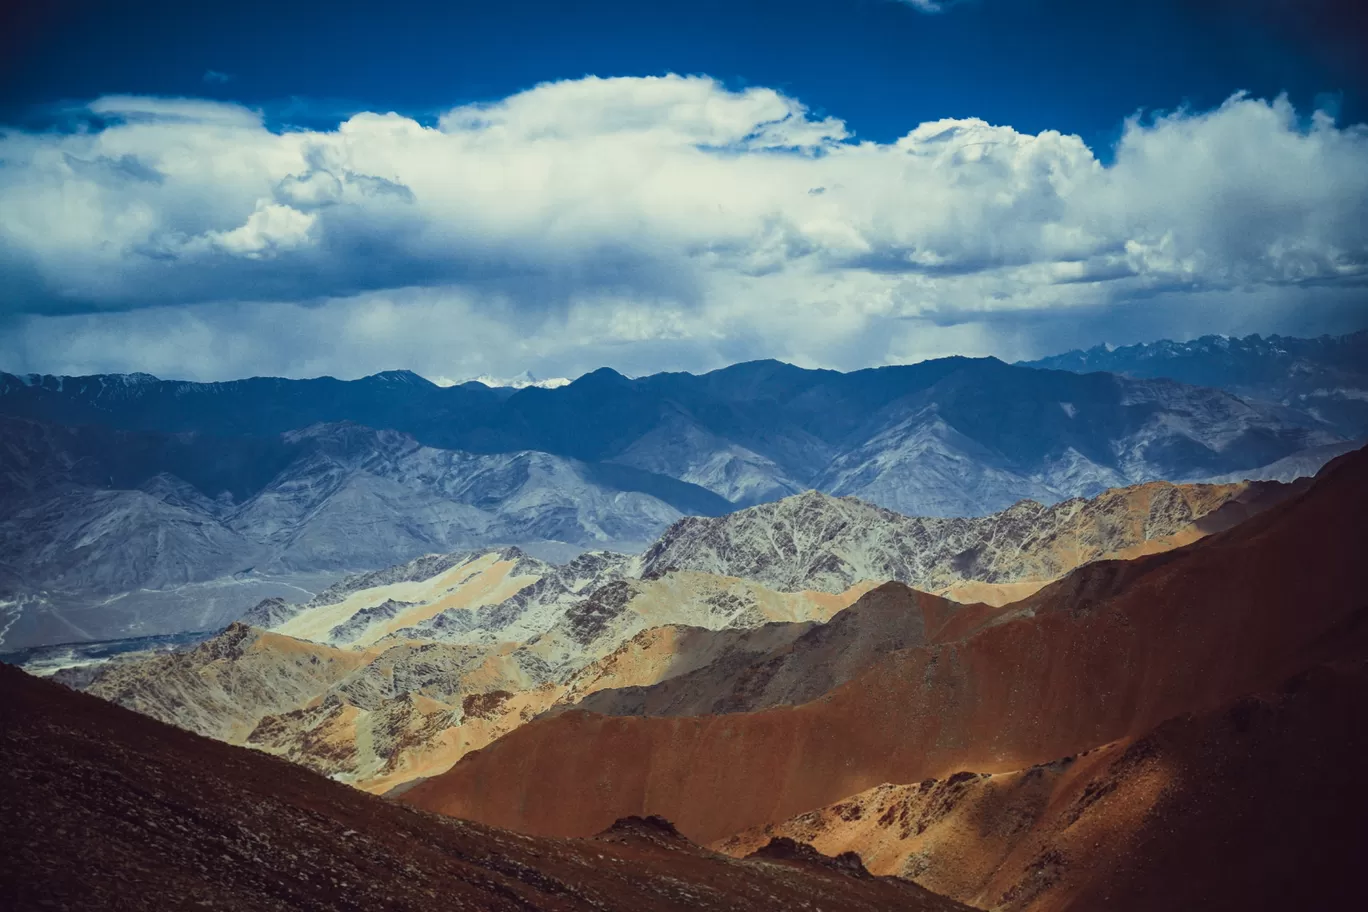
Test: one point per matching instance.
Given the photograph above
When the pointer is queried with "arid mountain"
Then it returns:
(108, 809)
(223, 686)
(1109, 652)
(132, 506)
(813, 541)
(396, 674)
(335, 687)
(1256, 805)
(780, 665)
(98, 531)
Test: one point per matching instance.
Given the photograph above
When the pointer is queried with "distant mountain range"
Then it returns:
(1326, 377)
(120, 489)
(955, 436)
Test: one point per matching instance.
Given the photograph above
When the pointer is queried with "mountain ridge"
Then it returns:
(777, 426)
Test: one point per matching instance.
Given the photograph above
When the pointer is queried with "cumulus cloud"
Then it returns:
(650, 223)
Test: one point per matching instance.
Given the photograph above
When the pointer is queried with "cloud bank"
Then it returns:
(655, 223)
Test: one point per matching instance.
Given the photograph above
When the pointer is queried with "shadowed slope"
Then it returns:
(1257, 805)
(104, 808)
(1111, 651)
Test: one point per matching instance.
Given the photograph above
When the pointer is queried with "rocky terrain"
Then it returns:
(396, 674)
(381, 709)
(1109, 652)
(134, 506)
(104, 808)
(821, 542)
(92, 529)
(788, 664)
(1159, 719)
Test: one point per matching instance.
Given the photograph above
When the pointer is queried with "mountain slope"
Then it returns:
(763, 668)
(109, 809)
(91, 513)
(1109, 651)
(1256, 805)
(814, 541)
(520, 637)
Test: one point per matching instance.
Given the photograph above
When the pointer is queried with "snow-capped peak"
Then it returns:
(521, 381)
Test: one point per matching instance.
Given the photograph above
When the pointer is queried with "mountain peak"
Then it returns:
(604, 376)
(400, 377)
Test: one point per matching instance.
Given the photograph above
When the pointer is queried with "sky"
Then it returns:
(216, 190)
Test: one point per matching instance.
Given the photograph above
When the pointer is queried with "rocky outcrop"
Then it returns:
(793, 664)
(222, 687)
(814, 541)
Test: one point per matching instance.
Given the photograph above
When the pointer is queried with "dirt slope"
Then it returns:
(1261, 804)
(1111, 651)
(106, 809)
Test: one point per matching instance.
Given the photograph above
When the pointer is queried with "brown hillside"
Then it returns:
(1111, 651)
(106, 809)
(1259, 805)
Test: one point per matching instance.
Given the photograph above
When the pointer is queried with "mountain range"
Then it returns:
(134, 506)
(391, 675)
(1326, 377)
(1161, 706)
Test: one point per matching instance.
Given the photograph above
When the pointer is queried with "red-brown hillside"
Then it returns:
(1113, 650)
(1259, 805)
(102, 808)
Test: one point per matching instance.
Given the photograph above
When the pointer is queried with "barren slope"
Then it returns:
(1260, 804)
(107, 809)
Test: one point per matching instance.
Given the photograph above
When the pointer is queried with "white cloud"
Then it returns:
(930, 6)
(649, 223)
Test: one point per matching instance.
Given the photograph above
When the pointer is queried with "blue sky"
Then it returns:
(1079, 66)
(212, 189)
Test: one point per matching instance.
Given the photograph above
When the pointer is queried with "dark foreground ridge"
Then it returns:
(102, 808)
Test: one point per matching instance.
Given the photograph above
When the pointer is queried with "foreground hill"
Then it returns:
(1108, 652)
(108, 809)
(1257, 805)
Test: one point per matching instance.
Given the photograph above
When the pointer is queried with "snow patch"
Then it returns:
(521, 381)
